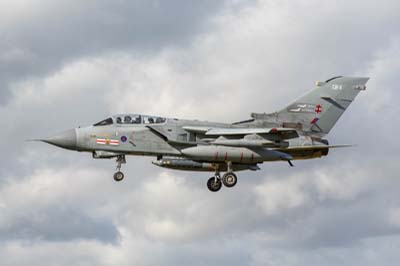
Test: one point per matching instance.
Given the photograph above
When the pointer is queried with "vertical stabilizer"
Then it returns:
(319, 109)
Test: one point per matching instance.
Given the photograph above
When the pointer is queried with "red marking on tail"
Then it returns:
(318, 108)
(314, 121)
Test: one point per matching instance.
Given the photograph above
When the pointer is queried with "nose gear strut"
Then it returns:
(118, 176)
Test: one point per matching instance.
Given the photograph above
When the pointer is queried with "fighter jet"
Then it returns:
(297, 132)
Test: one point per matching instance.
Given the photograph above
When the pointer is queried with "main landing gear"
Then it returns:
(229, 179)
(118, 176)
(214, 183)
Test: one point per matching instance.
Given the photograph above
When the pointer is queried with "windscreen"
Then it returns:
(104, 122)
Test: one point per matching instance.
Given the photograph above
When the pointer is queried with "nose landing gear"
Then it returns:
(118, 176)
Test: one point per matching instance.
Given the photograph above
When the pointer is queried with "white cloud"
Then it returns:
(281, 195)
(394, 216)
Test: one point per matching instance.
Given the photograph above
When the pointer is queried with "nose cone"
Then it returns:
(66, 140)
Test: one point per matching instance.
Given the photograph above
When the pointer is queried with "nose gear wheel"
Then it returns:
(118, 176)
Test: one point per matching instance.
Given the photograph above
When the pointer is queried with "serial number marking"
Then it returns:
(337, 87)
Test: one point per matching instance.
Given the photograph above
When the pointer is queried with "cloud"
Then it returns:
(40, 37)
(40, 207)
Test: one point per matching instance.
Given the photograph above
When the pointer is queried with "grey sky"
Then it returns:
(68, 63)
(41, 36)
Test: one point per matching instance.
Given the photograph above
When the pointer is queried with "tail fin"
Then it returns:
(319, 109)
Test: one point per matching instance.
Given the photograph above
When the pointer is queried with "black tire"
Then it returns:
(118, 176)
(214, 184)
(229, 179)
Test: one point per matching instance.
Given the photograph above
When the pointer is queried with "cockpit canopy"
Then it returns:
(127, 119)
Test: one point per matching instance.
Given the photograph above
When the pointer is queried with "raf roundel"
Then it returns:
(124, 138)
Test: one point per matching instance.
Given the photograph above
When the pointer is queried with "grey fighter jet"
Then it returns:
(296, 132)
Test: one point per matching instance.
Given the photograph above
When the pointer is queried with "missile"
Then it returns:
(184, 164)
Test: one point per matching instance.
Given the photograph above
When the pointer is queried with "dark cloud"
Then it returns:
(59, 32)
(59, 223)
